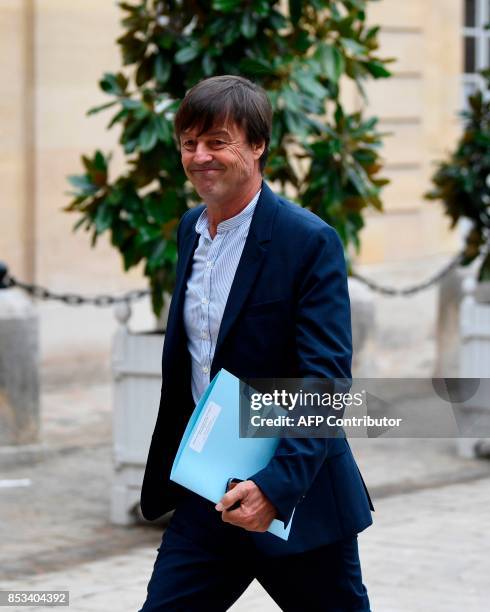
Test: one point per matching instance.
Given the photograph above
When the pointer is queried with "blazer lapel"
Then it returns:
(187, 246)
(253, 254)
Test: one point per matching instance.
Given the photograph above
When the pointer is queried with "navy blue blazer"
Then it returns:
(287, 316)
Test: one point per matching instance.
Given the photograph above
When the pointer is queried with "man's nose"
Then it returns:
(202, 154)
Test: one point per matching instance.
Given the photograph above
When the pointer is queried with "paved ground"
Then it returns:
(428, 547)
(427, 550)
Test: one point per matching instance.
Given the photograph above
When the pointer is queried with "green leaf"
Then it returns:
(132, 255)
(113, 83)
(130, 104)
(225, 6)
(231, 34)
(148, 233)
(171, 252)
(97, 109)
(141, 112)
(81, 221)
(162, 69)
(354, 47)
(187, 54)
(302, 41)
(359, 4)
(377, 69)
(372, 32)
(100, 162)
(103, 218)
(484, 273)
(360, 181)
(114, 197)
(332, 61)
(133, 49)
(294, 123)
(295, 10)
(208, 64)
(157, 257)
(131, 201)
(255, 66)
(309, 84)
(336, 15)
(132, 8)
(130, 145)
(163, 129)
(82, 183)
(145, 70)
(120, 233)
(155, 209)
(148, 137)
(96, 165)
(248, 26)
(277, 20)
(291, 99)
(117, 117)
(165, 40)
(261, 7)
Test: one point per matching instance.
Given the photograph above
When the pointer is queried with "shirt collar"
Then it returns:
(244, 216)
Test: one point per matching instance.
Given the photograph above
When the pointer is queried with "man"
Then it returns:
(261, 291)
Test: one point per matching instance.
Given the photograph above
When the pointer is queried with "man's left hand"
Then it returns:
(255, 512)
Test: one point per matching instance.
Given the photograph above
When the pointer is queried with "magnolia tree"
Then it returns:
(300, 52)
(462, 182)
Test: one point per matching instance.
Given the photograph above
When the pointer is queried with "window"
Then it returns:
(476, 44)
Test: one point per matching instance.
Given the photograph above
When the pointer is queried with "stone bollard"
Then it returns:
(19, 370)
(448, 346)
(475, 362)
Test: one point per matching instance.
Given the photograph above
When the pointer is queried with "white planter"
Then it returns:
(450, 297)
(136, 368)
(19, 373)
(475, 358)
(482, 293)
(363, 329)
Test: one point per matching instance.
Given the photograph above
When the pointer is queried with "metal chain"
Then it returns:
(71, 299)
(411, 290)
(103, 300)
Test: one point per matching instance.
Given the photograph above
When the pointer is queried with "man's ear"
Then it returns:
(258, 149)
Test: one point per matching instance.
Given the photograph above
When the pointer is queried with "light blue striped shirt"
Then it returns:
(213, 269)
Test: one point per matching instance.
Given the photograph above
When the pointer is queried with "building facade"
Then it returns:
(56, 51)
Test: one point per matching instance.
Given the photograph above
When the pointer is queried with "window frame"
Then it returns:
(472, 80)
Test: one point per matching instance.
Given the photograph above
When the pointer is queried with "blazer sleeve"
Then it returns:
(324, 349)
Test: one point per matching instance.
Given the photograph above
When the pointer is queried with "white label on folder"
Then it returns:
(204, 427)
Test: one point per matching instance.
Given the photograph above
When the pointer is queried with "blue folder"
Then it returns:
(211, 450)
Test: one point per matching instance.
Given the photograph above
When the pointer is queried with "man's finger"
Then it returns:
(230, 498)
(235, 517)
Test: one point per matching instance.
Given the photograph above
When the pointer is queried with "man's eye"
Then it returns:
(188, 144)
(218, 143)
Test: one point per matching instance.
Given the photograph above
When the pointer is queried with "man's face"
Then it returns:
(220, 163)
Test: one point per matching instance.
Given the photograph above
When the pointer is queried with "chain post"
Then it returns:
(4, 276)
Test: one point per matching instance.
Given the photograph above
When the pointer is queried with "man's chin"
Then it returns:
(202, 190)
(206, 190)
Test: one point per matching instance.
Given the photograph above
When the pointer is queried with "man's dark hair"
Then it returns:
(224, 98)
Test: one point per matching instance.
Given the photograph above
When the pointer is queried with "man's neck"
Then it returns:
(221, 211)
